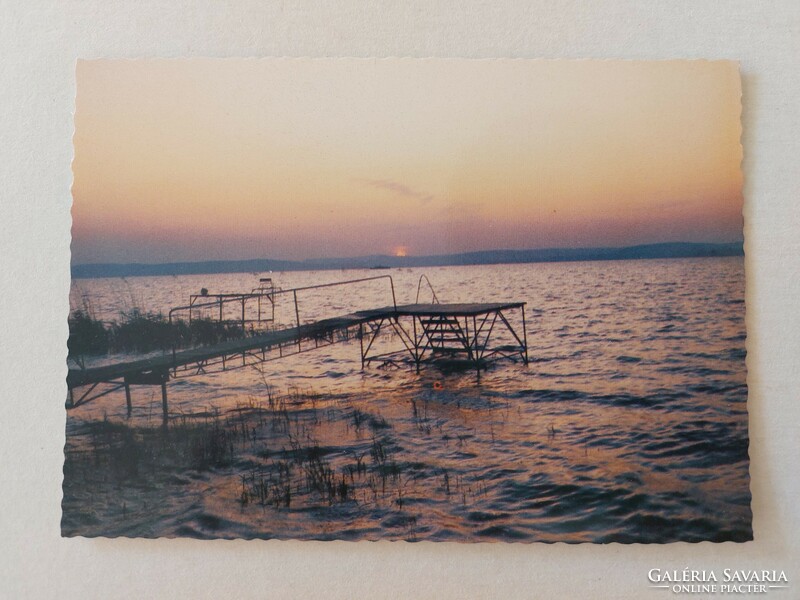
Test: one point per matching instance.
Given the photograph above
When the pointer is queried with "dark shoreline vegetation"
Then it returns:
(140, 332)
(487, 257)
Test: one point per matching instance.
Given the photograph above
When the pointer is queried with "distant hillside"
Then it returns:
(487, 257)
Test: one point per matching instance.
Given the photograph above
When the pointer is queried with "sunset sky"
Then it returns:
(181, 160)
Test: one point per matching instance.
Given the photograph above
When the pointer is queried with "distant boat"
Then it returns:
(380, 267)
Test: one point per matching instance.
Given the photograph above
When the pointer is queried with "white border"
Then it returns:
(39, 42)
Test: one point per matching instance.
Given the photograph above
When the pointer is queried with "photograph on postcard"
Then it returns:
(403, 299)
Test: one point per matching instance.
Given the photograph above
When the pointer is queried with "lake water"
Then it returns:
(629, 424)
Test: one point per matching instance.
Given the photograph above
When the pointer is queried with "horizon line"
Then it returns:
(407, 256)
(662, 250)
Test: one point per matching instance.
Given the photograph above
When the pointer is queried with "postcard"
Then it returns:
(403, 299)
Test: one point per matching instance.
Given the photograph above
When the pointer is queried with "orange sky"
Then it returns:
(290, 158)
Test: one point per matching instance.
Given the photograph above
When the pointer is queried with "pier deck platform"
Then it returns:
(427, 332)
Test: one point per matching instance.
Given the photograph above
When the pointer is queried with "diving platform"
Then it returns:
(471, 335)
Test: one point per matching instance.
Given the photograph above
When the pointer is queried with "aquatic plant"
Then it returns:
(139, 331)
(268, 486)
(87, 336)
(128, 452)
(267, 448)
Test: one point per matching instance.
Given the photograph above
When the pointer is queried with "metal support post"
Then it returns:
(128, 398)
(164, 406)
(361, 340)
(524, 335)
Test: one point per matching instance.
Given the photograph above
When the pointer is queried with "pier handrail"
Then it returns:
(419, 288)
(221, 299)
(294, 291)
(225, 298)
(335, 283)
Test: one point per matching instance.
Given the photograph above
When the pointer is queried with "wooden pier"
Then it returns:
(461, 334)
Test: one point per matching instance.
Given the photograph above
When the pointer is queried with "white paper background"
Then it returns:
(39, 42)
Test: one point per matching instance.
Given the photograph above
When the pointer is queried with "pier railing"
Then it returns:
(423, 277)
(220, 302)
(294, 291)
(261, 297)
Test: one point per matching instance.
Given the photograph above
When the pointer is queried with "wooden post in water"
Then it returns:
(524, 335)
(164, 406)
(297, 316)
(417, 352)
(361, 341)
(128, 398)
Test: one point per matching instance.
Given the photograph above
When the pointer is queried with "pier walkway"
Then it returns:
(462, 334)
